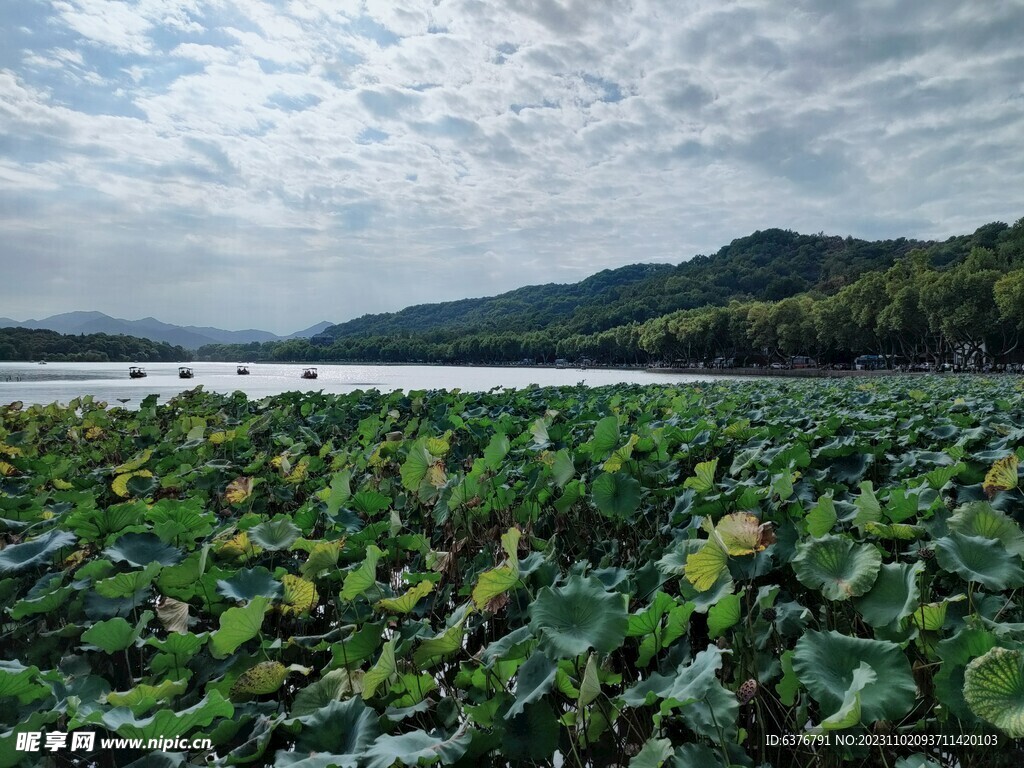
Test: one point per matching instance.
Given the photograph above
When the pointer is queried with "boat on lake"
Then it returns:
(242, 370)
(135, 372)
(309, 373)
(185, 372)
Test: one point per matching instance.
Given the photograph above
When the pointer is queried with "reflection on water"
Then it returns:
(62, 382)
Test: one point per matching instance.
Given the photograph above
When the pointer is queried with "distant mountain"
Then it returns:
(768, 265)
(313, 330)
(189, 336)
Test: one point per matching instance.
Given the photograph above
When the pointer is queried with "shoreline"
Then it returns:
(793, 373)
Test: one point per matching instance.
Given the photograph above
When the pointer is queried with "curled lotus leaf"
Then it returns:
(981, 559)
(837, 566)
(1002, 476)
(827, 664)
(994, 689)
(39, 550)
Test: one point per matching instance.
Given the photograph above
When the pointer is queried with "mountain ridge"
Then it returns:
(188, 336)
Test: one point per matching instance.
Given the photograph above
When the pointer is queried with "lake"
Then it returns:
(62, 382)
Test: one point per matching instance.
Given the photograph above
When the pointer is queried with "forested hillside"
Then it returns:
(38, 344)
(771, 294)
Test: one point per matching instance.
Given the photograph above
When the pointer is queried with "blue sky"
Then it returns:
(273, 164)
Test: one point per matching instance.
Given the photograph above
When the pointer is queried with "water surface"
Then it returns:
(62, 382)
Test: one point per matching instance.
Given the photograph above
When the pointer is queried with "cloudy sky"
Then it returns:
(271, 164)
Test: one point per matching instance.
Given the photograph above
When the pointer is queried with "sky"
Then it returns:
(239, 163)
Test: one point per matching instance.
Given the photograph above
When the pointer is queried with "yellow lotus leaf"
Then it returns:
(6, 469)
(704, 566)
(744, 534)
(438, 446)
(61, 485)
(436, 474)
(134, 463)
(300, 472)
(221, 436)
(238, 490)
(239, 546)
(1002, 476)
(120, 484)
(10, 450)
(300, 596)
(93, 433)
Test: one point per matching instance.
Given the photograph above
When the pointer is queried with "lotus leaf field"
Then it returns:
(682, 575)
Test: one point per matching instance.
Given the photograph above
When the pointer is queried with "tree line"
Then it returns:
(918, 301)
(31, 345)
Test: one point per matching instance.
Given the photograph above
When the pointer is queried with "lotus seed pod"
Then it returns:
(747, 691)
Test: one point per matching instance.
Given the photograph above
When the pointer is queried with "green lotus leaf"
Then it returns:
(868, 508)
(938, 477)
(980, 559)
(141, 549)
(95, 525)
(237, 626)
(533, 681)
(616, 495)
(358, 647)
(417, 462)
(336, 685)
(275, 535)
(826, 662)
(689, 683)
(46, 603)
(405, 602)
(994, 689)
(578, 616)
(115, 634)
(703, 480)
(339, 491)
(410, 748)
(249, 583)
(323, 556)
(495, 452)
(168, 723)
(980, 518)
(532, 736)
(341, 729)
(822, 517)
(433, 649)
(849, 713)
(17, 680)
(382, 671)
(16, 557)
(606, 437)
(837, 566)
(363, 577)
(563, 470)
(723, 615)
(850, 469)
(143, 698)
(653, 754)
(893, 597)
(955, 653)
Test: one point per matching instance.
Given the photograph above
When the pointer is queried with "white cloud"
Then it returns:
(347, 159)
